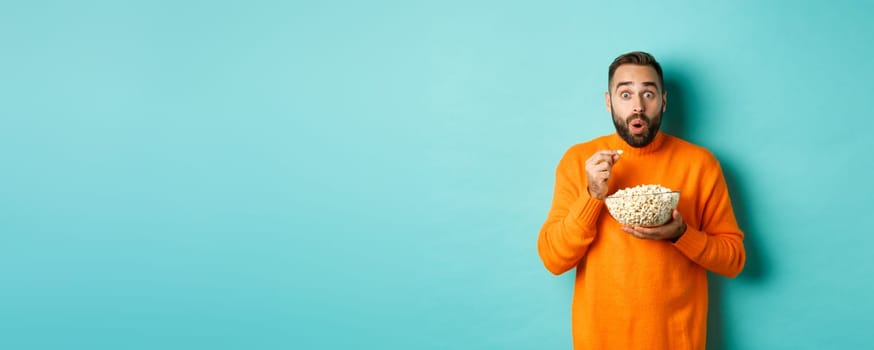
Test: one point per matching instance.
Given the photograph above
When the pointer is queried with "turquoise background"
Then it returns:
(373, 175)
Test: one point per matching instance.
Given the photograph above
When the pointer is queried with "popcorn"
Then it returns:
(647, 205)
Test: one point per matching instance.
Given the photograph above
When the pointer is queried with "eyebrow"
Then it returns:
(646, 83)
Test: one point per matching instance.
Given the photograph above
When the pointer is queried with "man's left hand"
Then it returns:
(670, 231)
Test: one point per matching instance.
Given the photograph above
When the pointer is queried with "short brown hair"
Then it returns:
(639, 58)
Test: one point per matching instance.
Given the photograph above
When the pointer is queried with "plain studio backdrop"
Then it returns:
(374, 174)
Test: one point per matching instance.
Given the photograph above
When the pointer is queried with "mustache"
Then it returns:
(637, 116)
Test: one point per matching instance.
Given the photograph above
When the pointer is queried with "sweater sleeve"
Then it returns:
(717, 244)
(571, 223)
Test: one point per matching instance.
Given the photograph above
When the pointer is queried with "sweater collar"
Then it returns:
(616, 142)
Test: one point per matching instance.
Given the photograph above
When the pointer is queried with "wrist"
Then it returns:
(682, 231)
(594, 194)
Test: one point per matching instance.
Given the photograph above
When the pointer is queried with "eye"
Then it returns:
(648, 95)
(625, 95)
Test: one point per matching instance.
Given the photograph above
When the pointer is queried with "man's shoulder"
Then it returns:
(693, 150)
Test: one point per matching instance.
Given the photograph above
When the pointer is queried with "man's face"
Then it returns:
(636, 101)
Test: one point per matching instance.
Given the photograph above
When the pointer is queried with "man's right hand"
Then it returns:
(598, 169)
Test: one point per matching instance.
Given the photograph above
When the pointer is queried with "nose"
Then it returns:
(637, 105)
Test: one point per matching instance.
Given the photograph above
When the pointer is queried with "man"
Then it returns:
(640, 287)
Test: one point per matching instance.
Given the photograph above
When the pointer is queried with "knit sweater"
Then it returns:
(633, 293)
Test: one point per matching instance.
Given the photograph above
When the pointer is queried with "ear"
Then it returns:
(664, 101)
(607, 102)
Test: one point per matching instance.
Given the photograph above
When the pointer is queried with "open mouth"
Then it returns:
(637, 126)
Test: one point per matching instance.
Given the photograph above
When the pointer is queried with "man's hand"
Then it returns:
(670, 231)
(598, 169)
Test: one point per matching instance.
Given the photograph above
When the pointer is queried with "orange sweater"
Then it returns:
(633, 293)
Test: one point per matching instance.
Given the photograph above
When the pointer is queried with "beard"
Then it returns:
(637, 141)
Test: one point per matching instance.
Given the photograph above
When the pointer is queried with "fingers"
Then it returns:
(599, 164)
(666, 231)
(598, 170)
(632, 231)
(641, 231)
(603, 156)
